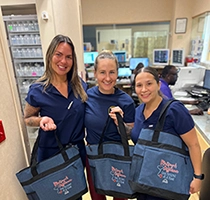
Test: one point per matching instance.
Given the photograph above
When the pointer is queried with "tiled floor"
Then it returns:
(194, 196)
(87, 197)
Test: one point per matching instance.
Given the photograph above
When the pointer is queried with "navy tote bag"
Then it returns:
(60, 177)
(110, 164)
(161, 165)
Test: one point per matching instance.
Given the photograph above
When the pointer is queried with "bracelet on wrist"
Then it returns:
(200, 176)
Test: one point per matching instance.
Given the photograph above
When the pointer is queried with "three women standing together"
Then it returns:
(60, 100)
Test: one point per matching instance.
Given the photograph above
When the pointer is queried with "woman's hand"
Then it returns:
(112, 114)
(47, 124)
(195, 186)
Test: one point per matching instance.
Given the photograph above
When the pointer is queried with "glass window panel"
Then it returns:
(138, 40)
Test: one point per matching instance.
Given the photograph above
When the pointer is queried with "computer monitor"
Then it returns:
(89, 57)
(206, 80)
(133, 62)
(161, 56)
(177, 57)
(188, 77)
(121, 56)
(124, 72)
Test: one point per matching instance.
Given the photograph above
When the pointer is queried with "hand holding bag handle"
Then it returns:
(35, 150)
(60, 176)
(122, 133)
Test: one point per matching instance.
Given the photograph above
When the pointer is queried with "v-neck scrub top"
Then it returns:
(67, 113)
(178, 119)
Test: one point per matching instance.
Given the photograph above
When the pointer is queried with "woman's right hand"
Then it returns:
(47, 124)
(112, 113)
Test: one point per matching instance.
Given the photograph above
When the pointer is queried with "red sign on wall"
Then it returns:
(2, 134)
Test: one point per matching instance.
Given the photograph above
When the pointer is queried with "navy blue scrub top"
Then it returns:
(178, 119)
(67, 113)
(96, 114)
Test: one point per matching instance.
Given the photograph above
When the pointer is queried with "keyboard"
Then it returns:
(199, 91)
(195, 94)
(203, 105)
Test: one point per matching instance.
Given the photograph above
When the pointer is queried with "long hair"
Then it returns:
(72, 75)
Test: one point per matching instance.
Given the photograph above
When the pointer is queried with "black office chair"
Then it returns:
(133, 93)
(205, 186)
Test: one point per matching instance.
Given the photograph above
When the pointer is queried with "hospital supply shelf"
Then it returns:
(26, 51)
(26, 73)
(26, 54)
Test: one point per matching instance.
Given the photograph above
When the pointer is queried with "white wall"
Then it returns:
(15, 2)
(182, 9)
(124, 12)
(199, 7)
(63, 19)
(14, 151)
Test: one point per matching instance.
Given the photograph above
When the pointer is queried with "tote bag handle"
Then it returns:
(161, 120)
(122, 132)
(35, 150)
(160, 124)
(36, 144)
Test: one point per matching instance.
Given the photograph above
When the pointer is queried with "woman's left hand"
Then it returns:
(195, 186)
(47, 124)
(112, 114)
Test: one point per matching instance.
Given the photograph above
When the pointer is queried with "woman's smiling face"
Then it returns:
(62, 60)
(146, 87)
(106, 75)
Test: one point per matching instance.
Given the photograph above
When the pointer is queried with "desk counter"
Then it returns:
(202, 126)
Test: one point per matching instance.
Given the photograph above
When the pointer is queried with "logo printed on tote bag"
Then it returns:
(167, 171)
(63, 186)
(117, 176)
